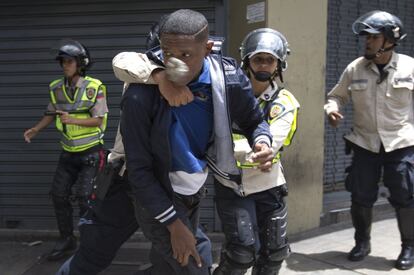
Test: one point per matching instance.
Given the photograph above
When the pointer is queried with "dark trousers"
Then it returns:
(237, 212)
(105, 228)
(77, 169)
(365, 172)
(161, 255)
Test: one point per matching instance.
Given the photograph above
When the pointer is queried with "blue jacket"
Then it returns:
(145, 123)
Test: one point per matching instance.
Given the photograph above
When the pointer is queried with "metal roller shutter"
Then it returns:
(343, 47)
(29, 30)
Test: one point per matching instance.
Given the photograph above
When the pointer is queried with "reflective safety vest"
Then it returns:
(265, 106)
(76, 138)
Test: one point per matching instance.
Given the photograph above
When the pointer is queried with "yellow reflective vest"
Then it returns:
(273, 110)
(76, 138)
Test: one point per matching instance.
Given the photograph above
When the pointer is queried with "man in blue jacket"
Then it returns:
(167, 147)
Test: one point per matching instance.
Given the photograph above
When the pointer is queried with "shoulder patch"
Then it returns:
(90, 93)
(276, 110)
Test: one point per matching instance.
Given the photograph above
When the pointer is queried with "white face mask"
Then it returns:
(176, 70)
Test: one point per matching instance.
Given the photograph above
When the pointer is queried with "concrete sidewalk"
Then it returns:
(326, 253)
(322, 251)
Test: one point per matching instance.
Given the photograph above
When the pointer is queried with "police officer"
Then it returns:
(78, 107)
(380, 84)
(254, 213)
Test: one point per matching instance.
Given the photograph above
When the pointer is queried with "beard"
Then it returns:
(370, 56)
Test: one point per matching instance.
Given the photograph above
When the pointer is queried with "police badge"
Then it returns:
(276, 110)
(90, 93)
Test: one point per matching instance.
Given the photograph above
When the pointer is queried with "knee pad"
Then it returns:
(238, 228)
(277, 256)
(240, 256)
(275, 231)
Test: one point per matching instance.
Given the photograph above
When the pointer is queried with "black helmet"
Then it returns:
(265, 40)
(74, 49)
(153, 37)
(376, 22)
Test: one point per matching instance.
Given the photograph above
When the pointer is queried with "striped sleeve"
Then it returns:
(167, 216)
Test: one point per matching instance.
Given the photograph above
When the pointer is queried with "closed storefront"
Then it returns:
(30, 33)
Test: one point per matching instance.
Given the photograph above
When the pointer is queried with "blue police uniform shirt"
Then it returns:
(192, 126)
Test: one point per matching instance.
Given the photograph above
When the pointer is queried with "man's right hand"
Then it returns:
(183, 243)
(29, 134)
(334, 118)
(175, 95)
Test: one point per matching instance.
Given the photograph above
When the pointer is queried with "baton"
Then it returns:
(54, 113)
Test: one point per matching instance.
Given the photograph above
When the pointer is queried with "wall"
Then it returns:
(304, 23)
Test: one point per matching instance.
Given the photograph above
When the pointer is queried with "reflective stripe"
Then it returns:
(168, 217)
(54, 85)
(64, 107)
(293, 127)
(165, 212)
(81, 91)
(254, 164)
(72, 107)
(81, 141)
(212, 165)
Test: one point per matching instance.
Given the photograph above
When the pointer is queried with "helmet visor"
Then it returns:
(372, 22)
(266, 42)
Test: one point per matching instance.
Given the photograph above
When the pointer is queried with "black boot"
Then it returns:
(227, 266)
(361, 219)
(67, 242)
(405, 218)
(63, 247)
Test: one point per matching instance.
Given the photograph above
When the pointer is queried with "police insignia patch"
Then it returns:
(276, 110)
(90, 93)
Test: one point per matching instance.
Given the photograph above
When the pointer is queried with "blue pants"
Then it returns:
(104, 229)
(397, 168)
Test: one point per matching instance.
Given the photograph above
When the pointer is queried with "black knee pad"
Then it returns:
(277, 256)
(240, 256)
(275, 231)
(244, 227)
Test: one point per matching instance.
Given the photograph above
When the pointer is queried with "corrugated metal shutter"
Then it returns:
(343, 47)
(29, 30)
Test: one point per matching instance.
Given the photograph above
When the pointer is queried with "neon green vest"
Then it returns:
(77, 138)
(270, 120)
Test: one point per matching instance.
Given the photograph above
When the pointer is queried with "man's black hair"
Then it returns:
(186, 22)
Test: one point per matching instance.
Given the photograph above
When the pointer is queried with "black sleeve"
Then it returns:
(245, 111)
(139, 105)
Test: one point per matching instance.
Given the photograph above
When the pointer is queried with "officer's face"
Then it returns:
(263, 62)
(373, 42)
(187, 49)
(69, 67)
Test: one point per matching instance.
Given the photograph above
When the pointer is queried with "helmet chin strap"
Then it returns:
(380, 51)
(264, 76)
